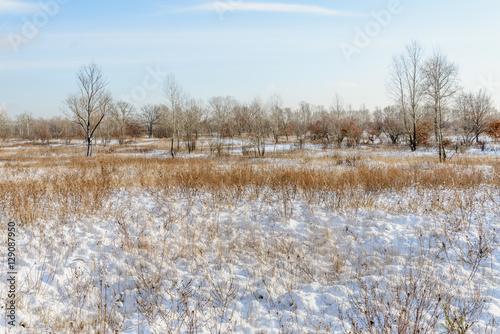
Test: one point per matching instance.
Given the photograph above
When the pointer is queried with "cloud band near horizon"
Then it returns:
(240, 6)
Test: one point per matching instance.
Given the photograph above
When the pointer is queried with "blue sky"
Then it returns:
(239, 48)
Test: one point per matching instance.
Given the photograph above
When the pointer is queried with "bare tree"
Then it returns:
(174, 95)
(352, 126)
(289, 122)
(24, 125)
(320, 124)
(357, 124)
(240, 119)
(241, 123)
(150, 116)
(393, 126)
(56, 127)
(375, 127)
(441, 84)
(41, 130)
(406, 88)
(475, 111)
(275, 105)
(91, 104)
(337, 112)
(4, 124)
(191, 121)
(259, 124)
(302, 119)
(105, 131)
(220, 109)
(122, 113)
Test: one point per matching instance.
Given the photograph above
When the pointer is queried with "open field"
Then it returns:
(318, 240)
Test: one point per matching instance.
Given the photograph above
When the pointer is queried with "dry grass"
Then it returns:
(75, 185)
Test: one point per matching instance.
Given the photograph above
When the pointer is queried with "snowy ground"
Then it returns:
(161, 261)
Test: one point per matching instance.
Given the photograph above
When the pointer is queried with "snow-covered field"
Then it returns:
(118, 246)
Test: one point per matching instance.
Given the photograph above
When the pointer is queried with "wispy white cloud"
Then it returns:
(17, 7)
(240, 6)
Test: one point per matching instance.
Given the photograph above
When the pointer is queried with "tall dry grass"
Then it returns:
(77, 186)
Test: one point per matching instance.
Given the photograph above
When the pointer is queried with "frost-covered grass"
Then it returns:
(319, 241)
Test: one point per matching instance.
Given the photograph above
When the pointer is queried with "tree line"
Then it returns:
(429, 108)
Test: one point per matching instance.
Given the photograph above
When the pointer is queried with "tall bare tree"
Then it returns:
(406, 88)
(441, 84)
(175, 99)
(150, 116)
(91, 104)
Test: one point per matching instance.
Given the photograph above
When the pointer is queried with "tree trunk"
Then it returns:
(413, 138)
(89, 146)
(442, 151)
(172, 147)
